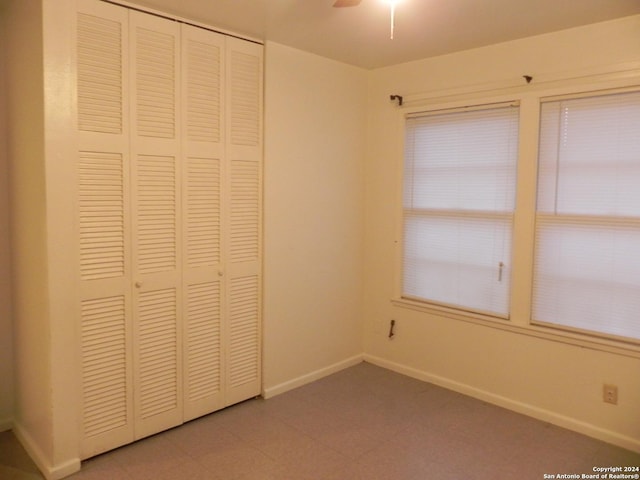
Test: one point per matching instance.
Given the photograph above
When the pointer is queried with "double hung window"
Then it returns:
(459, 197)
(587, 245)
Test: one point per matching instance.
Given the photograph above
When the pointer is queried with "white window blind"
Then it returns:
(587, 258)
(459, 196)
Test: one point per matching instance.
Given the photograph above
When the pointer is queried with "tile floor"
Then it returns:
(362, 423)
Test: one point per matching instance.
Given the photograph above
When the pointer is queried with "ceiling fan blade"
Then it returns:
(346, 3)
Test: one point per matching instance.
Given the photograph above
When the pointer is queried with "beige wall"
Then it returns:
(544, 377)
(314, 153)
(330, 222)
(32, 412)
(38, 108)
(6, 332)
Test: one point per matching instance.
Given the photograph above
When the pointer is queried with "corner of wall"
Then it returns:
(24, 156)
(6, 321)
(49, 470)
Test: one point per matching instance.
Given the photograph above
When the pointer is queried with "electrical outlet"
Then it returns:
(610, 394)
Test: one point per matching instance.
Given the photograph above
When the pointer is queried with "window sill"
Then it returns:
(547, 333)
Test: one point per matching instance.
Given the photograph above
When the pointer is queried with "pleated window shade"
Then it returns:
(459, 196)
(587, 254)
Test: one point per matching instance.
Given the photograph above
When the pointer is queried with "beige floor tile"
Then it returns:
(361, 423)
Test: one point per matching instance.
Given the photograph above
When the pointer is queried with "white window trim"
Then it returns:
(614, 79)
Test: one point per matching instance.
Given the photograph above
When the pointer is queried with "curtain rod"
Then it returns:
(623, 72)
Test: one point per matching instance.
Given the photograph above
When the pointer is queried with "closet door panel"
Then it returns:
(244, 294)
(157, 381)
(203, 357)
(168, 182)
(156, 203)
(203, 273)
(243, 233)
(203, 56)
(102, 230)
(243, 338)
(156, 298)
(202, 284)
(101, 56)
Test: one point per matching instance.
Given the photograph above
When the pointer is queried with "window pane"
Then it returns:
(590, 156)
(586, 277)
(458, 261)
(459, 195)
(587, 259)
(462, 160)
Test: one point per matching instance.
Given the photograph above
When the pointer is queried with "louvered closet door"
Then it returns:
(155, 168)
(243, 179)
(103, 232)
(203, 274)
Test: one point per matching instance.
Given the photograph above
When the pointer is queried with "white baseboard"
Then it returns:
(63, 470)
(563, 421)
(50, 472)
(269, 392)
(6, 424)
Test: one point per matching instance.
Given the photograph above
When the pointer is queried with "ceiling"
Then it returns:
(423, 28)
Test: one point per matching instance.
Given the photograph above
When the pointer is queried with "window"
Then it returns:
(587, 256)
(459, 197)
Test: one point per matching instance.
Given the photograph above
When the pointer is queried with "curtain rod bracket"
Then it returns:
(396, 97)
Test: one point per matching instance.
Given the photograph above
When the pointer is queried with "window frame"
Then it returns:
(457, 213)
(530, 98)
(591, 221)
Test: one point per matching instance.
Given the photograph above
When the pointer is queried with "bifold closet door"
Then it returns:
(243, 224)
(103, 233)
(203, 60)
(156, 214)
(222, 143)
(168, 182)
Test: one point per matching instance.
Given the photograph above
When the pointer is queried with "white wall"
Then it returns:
(6, 331)
(314, 165)
(556, 381)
